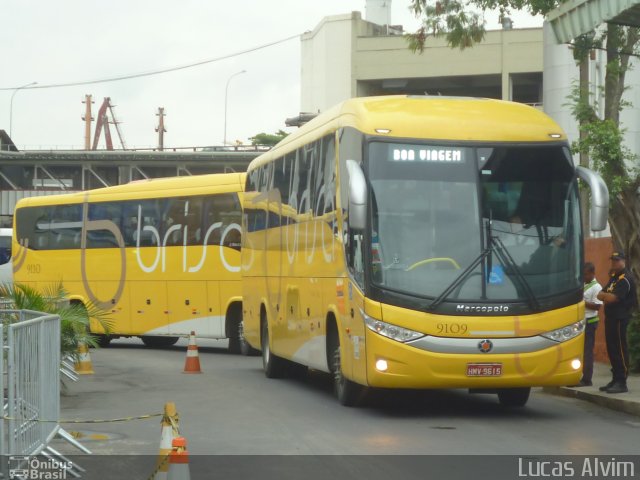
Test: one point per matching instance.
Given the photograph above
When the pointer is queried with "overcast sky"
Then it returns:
(74, 40)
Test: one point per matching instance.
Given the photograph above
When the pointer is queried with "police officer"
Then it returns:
(619, 298)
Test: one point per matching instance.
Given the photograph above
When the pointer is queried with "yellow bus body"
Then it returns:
(295, 275)
(168, 287)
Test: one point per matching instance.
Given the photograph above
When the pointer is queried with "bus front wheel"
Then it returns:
(274, 366)
(348, 393)
(514, 397)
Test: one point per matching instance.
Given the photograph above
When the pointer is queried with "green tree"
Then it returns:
(601, 139)
(74, 317)
(268, 138)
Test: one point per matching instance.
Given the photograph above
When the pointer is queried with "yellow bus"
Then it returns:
(419, 242)
(161, 257)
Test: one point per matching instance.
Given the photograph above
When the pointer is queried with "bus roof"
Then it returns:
(430, 118)
(168, 187)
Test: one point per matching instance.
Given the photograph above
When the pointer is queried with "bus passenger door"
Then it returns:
(188, 308)
(149, 314)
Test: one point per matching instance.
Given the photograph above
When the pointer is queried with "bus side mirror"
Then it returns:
(357, 196)
(599, 213)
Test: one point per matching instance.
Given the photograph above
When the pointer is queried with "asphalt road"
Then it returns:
(232, 408)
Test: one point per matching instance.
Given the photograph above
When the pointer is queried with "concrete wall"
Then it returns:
(502, 52)
(344, 52)
(326, 63)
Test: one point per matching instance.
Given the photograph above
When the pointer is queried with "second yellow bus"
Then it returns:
(161, 257)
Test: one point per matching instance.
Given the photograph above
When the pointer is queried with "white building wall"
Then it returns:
(327, 63)
(560, 72)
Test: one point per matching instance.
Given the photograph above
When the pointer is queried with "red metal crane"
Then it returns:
(102, 123)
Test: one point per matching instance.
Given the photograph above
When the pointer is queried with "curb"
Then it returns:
(619, 404)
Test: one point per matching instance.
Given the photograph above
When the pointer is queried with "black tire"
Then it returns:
(348, 393)
(514, 397)
(233, 330)
(274, 366)
(152, 341)
(102, 340)
(246, 349)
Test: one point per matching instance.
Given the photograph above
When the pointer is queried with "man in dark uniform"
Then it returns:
(619, 298)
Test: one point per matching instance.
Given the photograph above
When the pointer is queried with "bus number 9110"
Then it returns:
(33, 268)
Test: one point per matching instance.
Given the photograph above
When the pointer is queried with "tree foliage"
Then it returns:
(461, 21)
(268, 138)
(74, 317)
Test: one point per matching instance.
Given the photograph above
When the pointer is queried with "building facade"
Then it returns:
(346, 56)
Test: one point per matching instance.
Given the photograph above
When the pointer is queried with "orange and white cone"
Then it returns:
(83, 364)
(167, 434)
(192, 363)
(179, 460)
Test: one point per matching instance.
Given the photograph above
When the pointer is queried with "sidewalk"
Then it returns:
(623, 402)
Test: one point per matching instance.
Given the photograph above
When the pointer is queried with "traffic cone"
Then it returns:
(167, 434)
(192, 363)
(83, 364)
(179, 460)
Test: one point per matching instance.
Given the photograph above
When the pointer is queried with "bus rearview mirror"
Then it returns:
(599, 212)
(357, 196)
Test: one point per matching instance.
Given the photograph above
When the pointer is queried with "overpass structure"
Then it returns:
(577, 17)
(45, 172)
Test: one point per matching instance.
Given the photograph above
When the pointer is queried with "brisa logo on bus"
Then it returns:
(438, 155)
(161, 246)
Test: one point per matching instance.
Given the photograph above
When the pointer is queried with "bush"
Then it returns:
(633, 336)
(74, 317)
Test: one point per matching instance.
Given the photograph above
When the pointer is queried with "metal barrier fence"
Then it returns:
(31, 350)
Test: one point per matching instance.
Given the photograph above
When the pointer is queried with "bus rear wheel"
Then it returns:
(514, 397)
(349, 393)
(233, 320)
(158, 342)
(102, 340)
(274, 366)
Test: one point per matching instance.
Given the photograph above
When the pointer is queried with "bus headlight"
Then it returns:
(565, 333)
(393, 332)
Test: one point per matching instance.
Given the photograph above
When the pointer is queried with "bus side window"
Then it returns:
(223, 208)
(65, 227)
(150, 217)
(111, 211)
(282, 178)
(32, 226)
(5, 250)
(324, 197)
(174, 215)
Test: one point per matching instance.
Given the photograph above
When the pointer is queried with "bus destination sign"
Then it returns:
(428, 154)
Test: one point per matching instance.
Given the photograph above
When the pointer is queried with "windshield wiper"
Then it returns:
(506, 259)
(494, 245)
(460, 278)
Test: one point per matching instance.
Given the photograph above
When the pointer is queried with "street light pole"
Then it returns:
(226, 95)
(11, 104)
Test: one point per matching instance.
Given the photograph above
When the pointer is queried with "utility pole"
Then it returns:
(88, 118)
(160, 128)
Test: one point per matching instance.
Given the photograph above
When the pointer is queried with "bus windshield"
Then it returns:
(434, 208)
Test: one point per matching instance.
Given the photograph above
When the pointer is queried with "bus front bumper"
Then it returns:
(411, 367)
